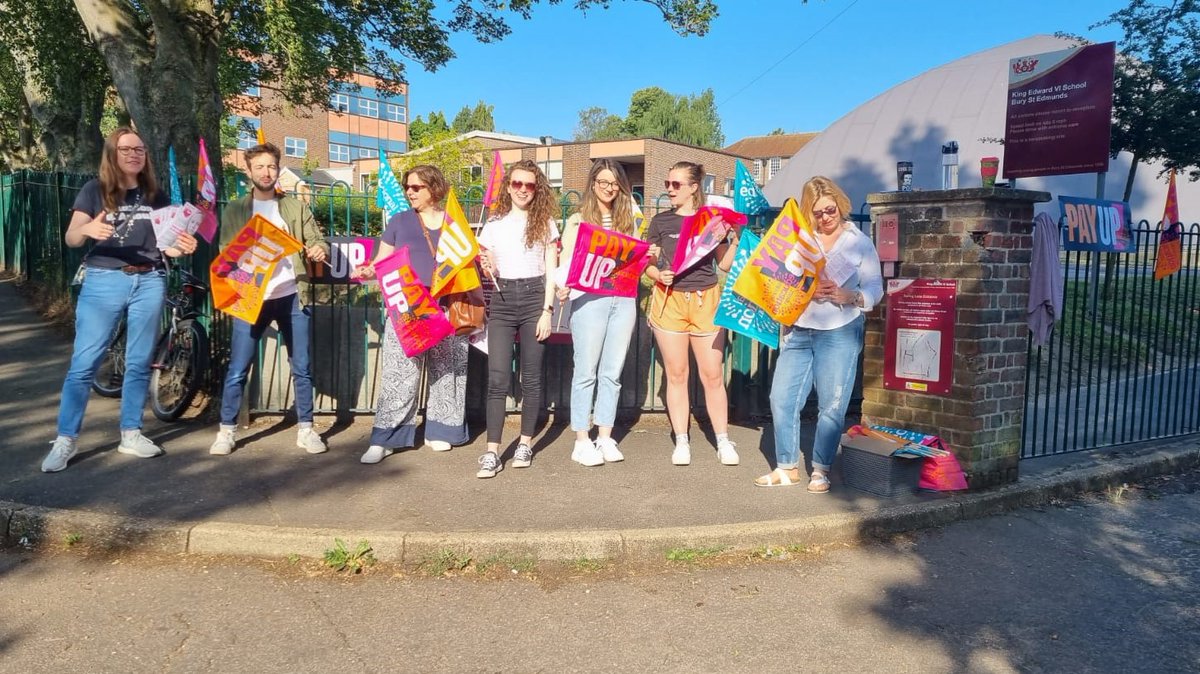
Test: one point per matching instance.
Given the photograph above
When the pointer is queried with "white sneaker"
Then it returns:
(727, 453)
(60, 453)
(682, 455)
(224, 443)
(308, 440)
(134, 443)
(608, 448)
(438, 445)
(586, 454)
(375, 454)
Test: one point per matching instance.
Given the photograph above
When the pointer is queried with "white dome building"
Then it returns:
(961, 101)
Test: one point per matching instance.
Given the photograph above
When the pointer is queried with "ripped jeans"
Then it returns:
(827, 359)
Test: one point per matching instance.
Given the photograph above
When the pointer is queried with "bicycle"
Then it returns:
(180, 355)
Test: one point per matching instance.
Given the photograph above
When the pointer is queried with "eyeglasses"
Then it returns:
(674, 184)
(415, 188)
(517, 186)
(137, 151)
(828, 211)
(608, 184)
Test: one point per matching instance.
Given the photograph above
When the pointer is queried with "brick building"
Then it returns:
(769, 154)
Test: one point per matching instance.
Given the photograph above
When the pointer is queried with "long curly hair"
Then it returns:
(622, 205)
(111, 191)
(541, 210)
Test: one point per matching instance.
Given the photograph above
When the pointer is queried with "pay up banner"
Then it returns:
(781, 274)
(415, 316)
(239, 274)
(700, 234)
(345, 253)
(606, 262)
(1096, 225)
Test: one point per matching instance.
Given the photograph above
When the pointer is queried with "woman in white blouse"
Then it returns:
(822, 347)
(520, 251)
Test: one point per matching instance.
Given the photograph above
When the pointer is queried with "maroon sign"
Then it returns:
(1059, 112)
(919, 347)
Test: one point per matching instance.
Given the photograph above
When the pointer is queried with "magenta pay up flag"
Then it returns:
(415, 316)
(606, 262)
(701, 233)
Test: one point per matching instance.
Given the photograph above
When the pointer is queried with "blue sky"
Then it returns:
(846, 52)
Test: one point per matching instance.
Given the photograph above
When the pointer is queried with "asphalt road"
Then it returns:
(1102, 584)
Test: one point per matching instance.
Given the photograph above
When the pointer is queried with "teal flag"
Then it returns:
(176, 193)
(747, 197)
(389, 195)
(736, 312)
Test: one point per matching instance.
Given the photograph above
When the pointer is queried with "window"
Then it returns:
(339, 153)
(729, 187)
(339, 102)
(776, 163)
(368, 108)
(366, 153)
(758, 164)
(553, 171)
(295, 147)
(253, 90)
(710, 182)
(395, 113)
(247, 131)
(366, 182)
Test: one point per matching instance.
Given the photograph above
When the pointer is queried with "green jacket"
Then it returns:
(299, 219)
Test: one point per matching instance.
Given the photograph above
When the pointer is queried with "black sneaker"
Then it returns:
(523, 457)
(489, 465)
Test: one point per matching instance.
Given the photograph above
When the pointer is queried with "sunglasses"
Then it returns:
(517, 186)
(414, 188)
(828, 211)
(674, 184)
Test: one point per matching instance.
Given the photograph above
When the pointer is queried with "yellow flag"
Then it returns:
(781, 274)
(457, 250)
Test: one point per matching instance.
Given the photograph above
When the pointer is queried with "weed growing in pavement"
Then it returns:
(1116, 494)
(445, 560)
(503, 559)
(693, 554)
(293, 559)
(72, 539)
(341, 558)
(588, 565)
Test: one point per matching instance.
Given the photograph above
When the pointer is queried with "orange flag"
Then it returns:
(239, 274)
(457, 249)
(781, 274)
(1170, 243)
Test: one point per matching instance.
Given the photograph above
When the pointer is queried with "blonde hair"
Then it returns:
(820, 186)
(111, 175)
(622, 205)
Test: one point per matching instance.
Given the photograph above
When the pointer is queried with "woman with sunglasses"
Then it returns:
(519, 250)
(682, 309)
(601, 325)
(125, 277)
(822, 347)
(395, 424)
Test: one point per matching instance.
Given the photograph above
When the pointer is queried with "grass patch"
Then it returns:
(588, 565)
(693, 554)
(444, 561)
(72, 539)
(342, 558)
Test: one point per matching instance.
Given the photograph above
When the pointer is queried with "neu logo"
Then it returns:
(1024, 66)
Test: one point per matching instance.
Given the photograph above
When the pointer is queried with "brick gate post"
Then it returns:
(983, 238)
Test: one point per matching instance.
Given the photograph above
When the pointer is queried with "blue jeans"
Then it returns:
(601, 329)
(292, 320)
(106, 295)
(828, 359)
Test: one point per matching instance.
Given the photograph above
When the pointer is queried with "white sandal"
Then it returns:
(776, 478)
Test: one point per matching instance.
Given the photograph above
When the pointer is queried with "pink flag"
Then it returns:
(606, 262)
(491, 191)
(415, 316)
(702, 233)
(206, 195)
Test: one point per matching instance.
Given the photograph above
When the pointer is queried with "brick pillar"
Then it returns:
(983, 238)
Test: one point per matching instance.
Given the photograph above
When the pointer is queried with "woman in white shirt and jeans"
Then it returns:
(822, 347)
(520, 252)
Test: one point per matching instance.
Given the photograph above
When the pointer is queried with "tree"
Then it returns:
(446, 151)
(777, 132)
(478, 118)
(657, 113)
(421, 133)
(597, 124)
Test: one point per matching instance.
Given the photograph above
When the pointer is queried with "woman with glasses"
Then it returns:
(519, 250)
(822, 347)
(395, 424)
(601, 325)
(682, 309)
(124, 277)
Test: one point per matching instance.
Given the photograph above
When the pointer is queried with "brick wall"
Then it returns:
(983, 238)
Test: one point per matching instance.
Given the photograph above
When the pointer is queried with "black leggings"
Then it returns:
(515, 309)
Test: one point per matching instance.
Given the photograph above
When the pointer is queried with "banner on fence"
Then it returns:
(1170, 243)
(345, 253)
(700, 234)
(735, 312)
(606, 262)
(413, 313)
(239, 274)
(1096, 225)
(781, 274)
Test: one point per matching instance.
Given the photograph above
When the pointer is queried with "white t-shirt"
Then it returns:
(283, 281)
(852, 257)
(505, 237)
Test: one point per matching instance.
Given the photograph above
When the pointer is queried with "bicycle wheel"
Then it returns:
(180, 371)
(111, 372)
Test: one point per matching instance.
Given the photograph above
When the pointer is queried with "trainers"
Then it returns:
(60, 453)
(489, 465)
(523, 456)
(608, 449)
(727, 453)
(439, 445)
(308, 440)
(682, 455)
(136, 444)
(585, 453)
(224, 443)
(375, 454)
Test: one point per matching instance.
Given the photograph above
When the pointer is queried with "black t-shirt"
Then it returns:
(404, 229)
(133, 242)
(664, 232)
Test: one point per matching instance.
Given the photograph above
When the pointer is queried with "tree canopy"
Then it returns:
(657, 113)
(478, 118)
